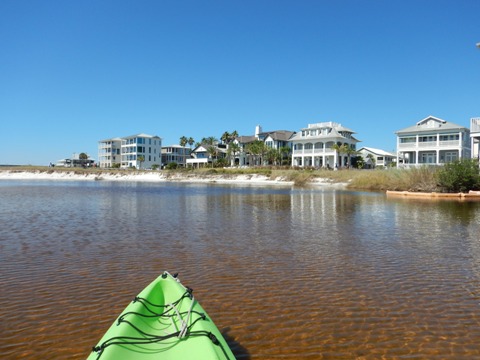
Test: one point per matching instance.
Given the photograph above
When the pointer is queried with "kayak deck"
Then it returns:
(163, 322)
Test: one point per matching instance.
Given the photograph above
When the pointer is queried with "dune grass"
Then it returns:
(416, 179)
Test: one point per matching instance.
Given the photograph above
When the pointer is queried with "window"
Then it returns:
(405, 140)
(449, 137)
(451, 156)
(429, 138)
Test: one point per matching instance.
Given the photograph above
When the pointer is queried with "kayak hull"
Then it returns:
(163, 322)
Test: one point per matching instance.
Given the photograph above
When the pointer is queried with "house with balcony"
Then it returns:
(175, 154)
(202, 155)
(475, 137)
(109, 152)
(432, 141)
(316, 145)
(139, 151)
(376, 157)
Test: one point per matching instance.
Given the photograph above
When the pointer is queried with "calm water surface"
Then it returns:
(285, 273)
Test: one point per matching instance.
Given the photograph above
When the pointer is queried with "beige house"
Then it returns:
(432, 141)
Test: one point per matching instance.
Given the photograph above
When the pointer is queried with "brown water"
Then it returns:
(285, 273)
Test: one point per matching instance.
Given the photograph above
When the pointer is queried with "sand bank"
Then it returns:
(155, 176)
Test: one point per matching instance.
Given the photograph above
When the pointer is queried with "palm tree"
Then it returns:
(191, 141)
(141, 159)
(233, 149)
(257, 149)
(225, 137)
(350, 151)
(338, 148)
(273, 156)
(83, 157)
(212, 151)
(285, 152)
(183, 141)
(372, 159)
(211, 140)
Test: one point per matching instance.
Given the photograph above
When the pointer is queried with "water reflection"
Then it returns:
(286, 272)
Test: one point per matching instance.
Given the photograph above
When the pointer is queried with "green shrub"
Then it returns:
(459, 176)
(171, 166)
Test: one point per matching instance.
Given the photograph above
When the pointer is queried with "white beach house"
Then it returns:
(432, 141)
(377, 157)
(475, 137)
(139, 151)
(315, 145)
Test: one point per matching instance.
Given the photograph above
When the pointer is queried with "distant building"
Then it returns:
(138, 151)
(110, 153)
(175, 154)
(201, 156)
(315, 145)
(475, 137)
(432, 141)
(376, 157)
(75, 161)
(276, 139)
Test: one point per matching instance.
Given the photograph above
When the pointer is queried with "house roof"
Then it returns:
(245, 139)
(280, 135)
(429, 124)
(376, 151)
(332, 136)
(329, 124)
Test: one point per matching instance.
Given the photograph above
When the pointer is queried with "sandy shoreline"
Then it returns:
(160, 176)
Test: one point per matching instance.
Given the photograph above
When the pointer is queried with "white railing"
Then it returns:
(429, 144)
(475, 125)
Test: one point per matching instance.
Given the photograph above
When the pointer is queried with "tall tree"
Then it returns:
(233, 150)
(141, 159)
(191, 141)
(338, 150)
(213, 152)
(183, 141)
(225, 137)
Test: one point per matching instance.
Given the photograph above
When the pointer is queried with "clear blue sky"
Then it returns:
(76, 72)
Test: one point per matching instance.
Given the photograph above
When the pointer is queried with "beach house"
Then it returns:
(276, 139)
(373, 157)
(432, 141)
(475, 137)
(138, 151)
(325, 144)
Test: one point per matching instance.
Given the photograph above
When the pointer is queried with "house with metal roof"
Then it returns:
(432, 141)
(317, 145)
(373, 157)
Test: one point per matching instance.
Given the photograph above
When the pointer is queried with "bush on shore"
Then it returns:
(459, 176)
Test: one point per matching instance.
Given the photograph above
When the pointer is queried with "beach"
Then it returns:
(156, 176)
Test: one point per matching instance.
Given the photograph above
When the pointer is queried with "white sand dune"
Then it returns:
(149, 176)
